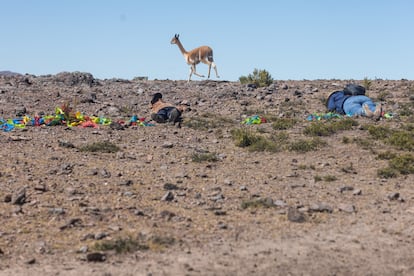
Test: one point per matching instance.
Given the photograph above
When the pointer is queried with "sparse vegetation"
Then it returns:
(257, 203)
(260, 78)
(253, 141)
(317, 178)
(404, 164)
(367, 83)
(326, 128)
(127, 245)
(402, 139)
(407, 109)
(382, 95)
(388, 155)
(121, 245)
(303, 145)
(283, 123)
(387, 173)
(207, 121)
(326, 178)
(204, 157)
(158, 243)
(349, 169)
(364, 143)
(330, 178)
(379, 132)
(398, 164)
(244, 137)
(106, 147)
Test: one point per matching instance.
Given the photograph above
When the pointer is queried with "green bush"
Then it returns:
(105, 146)
(207, 121)
(283, 123)
(322, 128)
(387, 173)
(398, 164)
(303, 145)
(204, 157)
(121, 245)
(366, 83)
(258, 203)
(403, 140)
(255, 142)
(379, 132)
(404, 164)
(260, 78)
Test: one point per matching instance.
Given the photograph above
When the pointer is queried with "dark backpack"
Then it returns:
(354, 90)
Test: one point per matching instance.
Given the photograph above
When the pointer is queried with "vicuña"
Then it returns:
(202, 54)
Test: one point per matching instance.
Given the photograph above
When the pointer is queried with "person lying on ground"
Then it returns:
(163, 112)
(352, 101)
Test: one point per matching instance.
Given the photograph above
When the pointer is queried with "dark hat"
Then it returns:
(156, 97)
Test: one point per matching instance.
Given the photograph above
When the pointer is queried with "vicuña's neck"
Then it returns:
(183, 51)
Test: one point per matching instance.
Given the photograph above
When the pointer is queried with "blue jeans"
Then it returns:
(353, 105)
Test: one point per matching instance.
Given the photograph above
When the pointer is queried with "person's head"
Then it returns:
(156, 97)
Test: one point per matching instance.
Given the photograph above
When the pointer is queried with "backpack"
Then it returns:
(354, 90)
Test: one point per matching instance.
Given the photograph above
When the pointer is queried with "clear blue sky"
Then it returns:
(291, 39)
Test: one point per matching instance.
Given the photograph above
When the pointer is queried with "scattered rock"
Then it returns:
(345, 188)
(394, 196)
(294, 215)
(280, 203)
(165, 214)
(95, 257)
(169, 186)
(100, 236)
(8, 198)
(66, 144)
(222, 225)
(116, 126)
(31, 261)
(40, 188)
(71, 223)
(56, 211)
(220, 213)
(169, 196)
(19, 197)
(347, 208)
(84, 249)
(128, 182)
(167, 145)
(320, 207)
(357, 192)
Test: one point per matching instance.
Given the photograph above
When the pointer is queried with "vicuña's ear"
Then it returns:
(177, 35)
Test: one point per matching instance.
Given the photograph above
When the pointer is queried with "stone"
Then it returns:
(294, 215)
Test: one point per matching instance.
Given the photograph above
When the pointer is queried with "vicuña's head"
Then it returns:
(175, 39)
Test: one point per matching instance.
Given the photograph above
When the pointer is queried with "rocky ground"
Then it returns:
(189, 200)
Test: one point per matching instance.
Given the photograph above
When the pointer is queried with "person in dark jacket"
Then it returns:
(353, 104)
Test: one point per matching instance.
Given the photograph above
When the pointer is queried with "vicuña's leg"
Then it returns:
(191, 72)
(215, 69)
(209, 68)
(195, 72)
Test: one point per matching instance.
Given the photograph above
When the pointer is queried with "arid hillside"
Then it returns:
(89, 185)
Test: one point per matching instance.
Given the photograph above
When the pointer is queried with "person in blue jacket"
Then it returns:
(352, 101)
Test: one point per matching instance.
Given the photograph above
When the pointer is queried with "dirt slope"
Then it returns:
(235, 212)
